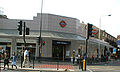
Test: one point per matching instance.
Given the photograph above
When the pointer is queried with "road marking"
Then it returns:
(90, 70)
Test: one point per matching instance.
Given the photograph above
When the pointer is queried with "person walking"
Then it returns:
(29, 55)
(73, 56)
(6, 61)
(26, 57)
(2, 52)
(14, 60)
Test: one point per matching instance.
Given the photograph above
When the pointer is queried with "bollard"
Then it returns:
(84, 64)
(58, 64)
(33, 61)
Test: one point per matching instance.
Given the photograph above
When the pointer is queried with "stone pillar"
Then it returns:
(13, 46)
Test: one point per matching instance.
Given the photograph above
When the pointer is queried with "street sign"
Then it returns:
(118, 42)
(114, 50)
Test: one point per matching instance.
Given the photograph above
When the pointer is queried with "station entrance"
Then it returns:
(59, 49)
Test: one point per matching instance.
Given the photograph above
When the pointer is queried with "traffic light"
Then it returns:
(20, 28)
(43, 42)
(38, 40)
(90, 29)
(27, 31)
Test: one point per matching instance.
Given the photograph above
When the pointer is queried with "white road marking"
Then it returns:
(90, 70)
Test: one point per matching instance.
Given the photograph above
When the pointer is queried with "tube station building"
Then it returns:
(61, 35)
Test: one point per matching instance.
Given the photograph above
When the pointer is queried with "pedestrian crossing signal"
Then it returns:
(43, 43)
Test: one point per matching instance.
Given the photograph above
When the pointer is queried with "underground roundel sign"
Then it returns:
(94, 31)
(62, 24)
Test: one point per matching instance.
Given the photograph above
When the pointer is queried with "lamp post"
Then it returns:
(100, 24)
(40, 29)
(100, 33)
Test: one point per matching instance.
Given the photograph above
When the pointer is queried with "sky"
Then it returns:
(89, 11)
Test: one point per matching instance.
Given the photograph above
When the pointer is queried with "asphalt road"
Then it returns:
(17, 71)
(110, 67)
(104, 68)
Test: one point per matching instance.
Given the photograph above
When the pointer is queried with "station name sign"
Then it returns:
(61, 42)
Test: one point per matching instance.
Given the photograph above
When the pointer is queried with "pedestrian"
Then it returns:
(79, 61)
(102, 58)
(2, 52)
(14, 60)
(6, 61)
(92, 58)
(73, 56)
(116, 57)
(106, 58)
(29, 55)
(26, 58)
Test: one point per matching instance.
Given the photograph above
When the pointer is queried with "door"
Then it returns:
(59, 51)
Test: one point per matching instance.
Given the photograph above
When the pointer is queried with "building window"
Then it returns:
(103, 34)
(106, 35)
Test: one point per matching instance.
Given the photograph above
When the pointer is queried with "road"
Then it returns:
(105, 68)
(110, 67)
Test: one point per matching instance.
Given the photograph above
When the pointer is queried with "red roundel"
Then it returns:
(94, 31)
(63, 23)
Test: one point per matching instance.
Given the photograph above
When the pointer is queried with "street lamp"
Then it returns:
(100, 33)
(40, 44)
(100, 24)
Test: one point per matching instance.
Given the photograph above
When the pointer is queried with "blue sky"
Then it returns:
(89, 11)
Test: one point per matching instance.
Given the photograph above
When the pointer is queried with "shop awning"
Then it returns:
(33, 36)
(101, 42)
(62, 35)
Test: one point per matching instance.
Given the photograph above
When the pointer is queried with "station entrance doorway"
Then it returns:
(59, 49)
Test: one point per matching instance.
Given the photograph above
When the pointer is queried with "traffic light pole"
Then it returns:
(22, 56)
(24, 35)
(88, 33)
(40, 44)
(86, 44)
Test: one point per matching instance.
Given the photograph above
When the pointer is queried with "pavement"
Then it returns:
(47, 67)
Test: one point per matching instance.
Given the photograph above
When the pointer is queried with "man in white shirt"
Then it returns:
(26, 58)
(26, 53)
(3, 52)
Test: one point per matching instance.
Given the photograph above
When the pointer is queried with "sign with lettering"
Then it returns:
(61, 42)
